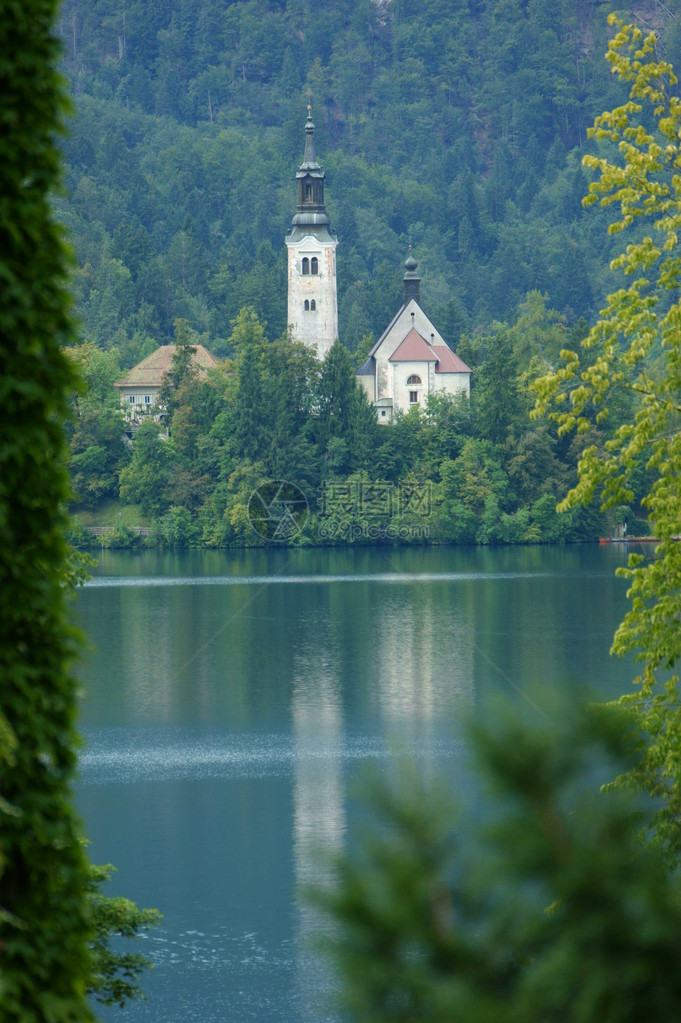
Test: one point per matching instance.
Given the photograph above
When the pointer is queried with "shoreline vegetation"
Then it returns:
(160, 535)
(454, 470)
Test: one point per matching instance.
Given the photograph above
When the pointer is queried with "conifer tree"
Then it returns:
(346, 425)
(247, 435)
(496, 395)
(546, 907)
(181, 369)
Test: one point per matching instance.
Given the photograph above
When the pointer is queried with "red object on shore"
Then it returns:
(629, 539)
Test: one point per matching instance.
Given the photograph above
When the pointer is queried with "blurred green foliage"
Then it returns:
(543, 906)
(44, 925)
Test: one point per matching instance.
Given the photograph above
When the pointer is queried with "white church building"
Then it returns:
(411, 359)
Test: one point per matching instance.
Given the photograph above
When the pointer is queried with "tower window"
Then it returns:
(308, 191)
(313, 305)
(413, 397)
(307, 305)
(315, 265)
(306, 265)
(414, 379)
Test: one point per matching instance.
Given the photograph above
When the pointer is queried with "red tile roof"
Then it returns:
(448, 362)
(414, 348)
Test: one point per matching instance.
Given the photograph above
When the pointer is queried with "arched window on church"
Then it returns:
(315, 265)
(306, 265)
(414, 379)
(313, 305)
(307, 305)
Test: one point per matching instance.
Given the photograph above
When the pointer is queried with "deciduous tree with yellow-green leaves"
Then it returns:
(635, 349)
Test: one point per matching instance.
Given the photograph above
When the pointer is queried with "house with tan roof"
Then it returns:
(141, 386)
(411, 359)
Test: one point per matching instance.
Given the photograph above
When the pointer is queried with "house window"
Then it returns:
(413, 379)
(131, 399)
(413, 397)
(315, 265)
(306, 265)
(382, 411)
(313, 305)
(147, 399)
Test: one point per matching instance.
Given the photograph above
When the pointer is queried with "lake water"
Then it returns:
(230, 698)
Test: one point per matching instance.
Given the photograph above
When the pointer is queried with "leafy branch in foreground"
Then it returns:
(636, 344)
(115, 974)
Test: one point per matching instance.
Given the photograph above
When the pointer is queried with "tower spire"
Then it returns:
(312, 302)
(310, 157)
(412, 281)
(310, 178)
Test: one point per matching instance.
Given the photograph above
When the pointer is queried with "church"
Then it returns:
(411, 359)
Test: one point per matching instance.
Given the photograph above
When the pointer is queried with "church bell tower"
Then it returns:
(312, 301)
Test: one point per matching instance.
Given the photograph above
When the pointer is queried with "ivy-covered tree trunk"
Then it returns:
(44, 959)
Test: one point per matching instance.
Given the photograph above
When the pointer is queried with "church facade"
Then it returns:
(411, 359)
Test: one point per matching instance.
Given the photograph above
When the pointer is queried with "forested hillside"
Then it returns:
(453, 125)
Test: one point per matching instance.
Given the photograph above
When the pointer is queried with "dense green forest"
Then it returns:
(456, 126)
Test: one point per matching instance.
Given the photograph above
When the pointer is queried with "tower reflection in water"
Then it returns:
(318, 806)
(412, 700)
